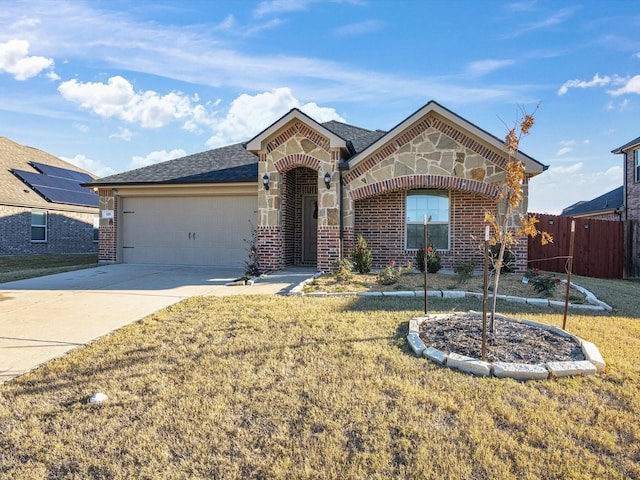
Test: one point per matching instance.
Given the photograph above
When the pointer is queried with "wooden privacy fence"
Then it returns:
(598, 246)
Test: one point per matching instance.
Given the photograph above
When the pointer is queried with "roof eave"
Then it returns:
(256, 144)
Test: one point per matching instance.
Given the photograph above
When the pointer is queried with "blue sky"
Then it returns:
(114, 85)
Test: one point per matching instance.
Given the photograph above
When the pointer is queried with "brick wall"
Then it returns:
(270, 246)
(107, 251)
(632, 225)
(67, 232)
(328, 247)
(380, 220)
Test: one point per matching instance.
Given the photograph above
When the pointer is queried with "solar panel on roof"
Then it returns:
(60, 172)
(58, 189)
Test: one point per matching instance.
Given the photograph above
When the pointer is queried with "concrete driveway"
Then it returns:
(43, 318)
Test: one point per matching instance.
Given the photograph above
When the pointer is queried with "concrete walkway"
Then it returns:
(43, 318)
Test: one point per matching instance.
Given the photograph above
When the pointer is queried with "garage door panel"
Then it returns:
(187, 230)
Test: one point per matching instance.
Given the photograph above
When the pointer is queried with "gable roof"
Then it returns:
(14, 191)
(607, 203)
(257, 143)
(229, 164)
(238, 162)
(220, 165)
(532, 166)
(633, 143)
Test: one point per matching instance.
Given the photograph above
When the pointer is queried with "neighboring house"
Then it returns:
(631, 204)
(606, 207)
(43, 208)
(310, 189)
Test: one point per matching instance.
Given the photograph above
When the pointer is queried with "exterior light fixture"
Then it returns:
(265, 181)
(327, 180)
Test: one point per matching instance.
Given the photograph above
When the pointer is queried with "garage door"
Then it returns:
(187, 230)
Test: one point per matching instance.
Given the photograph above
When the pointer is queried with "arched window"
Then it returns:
(435, 204)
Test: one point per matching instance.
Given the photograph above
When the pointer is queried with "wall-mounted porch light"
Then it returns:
(327, 180)
(265, 181)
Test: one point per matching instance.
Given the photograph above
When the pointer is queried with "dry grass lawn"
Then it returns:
(18, 267)
(325, 388)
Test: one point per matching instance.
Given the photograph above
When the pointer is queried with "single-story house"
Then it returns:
(310, 189)
(43, 208)
(631, 207)
(608, 206)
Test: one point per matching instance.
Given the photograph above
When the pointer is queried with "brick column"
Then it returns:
(328, 247)
(270, 244)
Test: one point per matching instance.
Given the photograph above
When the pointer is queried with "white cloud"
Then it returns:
(249, 115)
(81, 127)
(279, 6)
(637, 55)
(90, 165)
(123, 134)
(561, 187)
(631, 85)
(15, 60)
(114, 40)
(359, 28)
(117, 99)
(156, 157)
(596, 81)
(564, 151)
(482, 67)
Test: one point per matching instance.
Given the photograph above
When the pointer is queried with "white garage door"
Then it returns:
(187, 230)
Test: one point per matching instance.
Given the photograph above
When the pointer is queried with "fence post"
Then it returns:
(570, 266)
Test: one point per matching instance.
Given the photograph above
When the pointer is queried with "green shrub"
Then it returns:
(391, 274)
(545, 284)
(433, 260)
(464, 270)
(361, 256)
(344, 270)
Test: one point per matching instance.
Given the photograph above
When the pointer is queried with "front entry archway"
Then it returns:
(300, 216)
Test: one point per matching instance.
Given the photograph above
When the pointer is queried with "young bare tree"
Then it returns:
(508, 223)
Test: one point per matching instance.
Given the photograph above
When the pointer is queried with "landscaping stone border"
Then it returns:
(593, 303)
(593, 364)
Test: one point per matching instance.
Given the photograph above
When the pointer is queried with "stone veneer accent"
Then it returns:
(296, 160)
(430, 154)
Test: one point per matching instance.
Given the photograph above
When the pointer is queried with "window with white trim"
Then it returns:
(637, 165)
(434, 204)
(38, 226)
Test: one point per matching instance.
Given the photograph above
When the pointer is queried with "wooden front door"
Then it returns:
(310, 228)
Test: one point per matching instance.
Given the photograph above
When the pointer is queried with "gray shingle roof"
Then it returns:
(612, 200)
(359, 138)
(635, 141)
(221, 165)
(224, 165)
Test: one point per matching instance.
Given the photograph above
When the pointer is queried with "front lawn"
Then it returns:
(19, 267)
(273, 387)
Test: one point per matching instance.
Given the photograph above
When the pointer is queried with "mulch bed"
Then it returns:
(511, 342)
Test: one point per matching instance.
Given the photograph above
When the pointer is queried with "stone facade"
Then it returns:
(68, 232)
(433, 153)
(296, 161)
